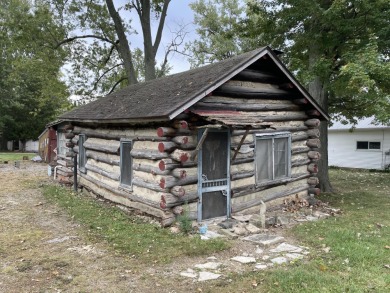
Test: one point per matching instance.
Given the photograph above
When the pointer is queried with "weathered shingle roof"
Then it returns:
(164, 98)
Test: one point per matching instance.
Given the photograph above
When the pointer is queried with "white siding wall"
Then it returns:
(343, 153)
(31, 146)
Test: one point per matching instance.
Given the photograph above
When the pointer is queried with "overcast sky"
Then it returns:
(179, 14)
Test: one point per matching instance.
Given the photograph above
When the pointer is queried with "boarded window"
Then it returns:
(368, 145)
(82, 154)
(126, 164)
(272, 157)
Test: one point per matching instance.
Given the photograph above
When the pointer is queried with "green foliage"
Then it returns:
(129, 234)
(344, 45)
(31, 92)
(185, 223)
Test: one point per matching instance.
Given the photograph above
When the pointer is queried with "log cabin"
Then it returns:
(211, 142)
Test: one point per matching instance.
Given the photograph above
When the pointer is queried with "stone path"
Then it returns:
(270, 250)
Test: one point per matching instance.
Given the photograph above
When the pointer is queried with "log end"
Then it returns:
(314, 191)
(184, 157)
(161, 146)
(160, 132)
(161, 165)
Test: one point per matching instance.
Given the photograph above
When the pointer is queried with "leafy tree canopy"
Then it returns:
(31, 92)
(344, 45)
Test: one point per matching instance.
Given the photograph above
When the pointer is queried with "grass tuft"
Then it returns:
(129, 234)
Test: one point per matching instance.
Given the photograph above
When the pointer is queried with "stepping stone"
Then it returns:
(264, 239)
(294, 256)
(244, 259)
(229, 234)
(285, 247)
(205, 276)
(190, 273)
(260, 266)
(259, 251)
(279, 260)
(209, 265)
(252, 229)
(212, 258)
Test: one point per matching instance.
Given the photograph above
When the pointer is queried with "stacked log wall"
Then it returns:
(267, 108)
(65, 161)
(163, 176)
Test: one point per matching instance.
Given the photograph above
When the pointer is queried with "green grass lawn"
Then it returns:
(14, 156)
(350, 253)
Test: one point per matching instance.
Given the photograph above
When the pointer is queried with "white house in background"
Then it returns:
(366, 145)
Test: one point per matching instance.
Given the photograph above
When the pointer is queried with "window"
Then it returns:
(61, 144)
(126, 163)
(272, 157)
(82, 154)
(368, 145)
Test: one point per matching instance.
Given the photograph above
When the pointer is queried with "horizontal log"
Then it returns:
(104, 173)
(299, 150)
(65, 163)
(313, 112)
(313, 133)
(299, 137)
(180, 155)
(313, 123)
(166, 131)
(171, 181)
(150, 185)
(315, 156)
(69, 135)
(185, 142)
(102, 145)
(313, 168)
(120, 196)
(149, 169)
(300, 162)
(249, 107)
(64, 172)
(241, 175)
(313, 181)
(168, 164)
(315, 191)
(184, 172)
(169, 200)
(75, 139)
(103, 157)
(237, 207)
(238, 161)
(302, 101)
(68, 127)
(148, 154)
(254, 75)
(178, 210)
(313, 143)
(70, 154)
(69, 144)
(168, 146)
(258, 92)
(178, 191)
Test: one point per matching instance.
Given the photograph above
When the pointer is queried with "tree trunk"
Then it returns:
(123, 46)
(318, 91)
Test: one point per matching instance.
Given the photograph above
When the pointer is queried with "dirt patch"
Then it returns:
(42, 249)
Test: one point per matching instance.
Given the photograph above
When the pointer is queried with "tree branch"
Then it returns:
(104, 73)
(69, 40)
(160, 27)
(116, 84)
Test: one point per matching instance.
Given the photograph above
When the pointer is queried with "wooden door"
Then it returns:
(214, 179)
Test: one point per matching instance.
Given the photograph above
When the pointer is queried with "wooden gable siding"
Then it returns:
(259, 102)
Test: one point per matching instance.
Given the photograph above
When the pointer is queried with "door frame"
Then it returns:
(200, 165)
